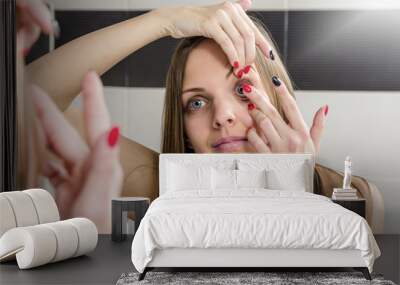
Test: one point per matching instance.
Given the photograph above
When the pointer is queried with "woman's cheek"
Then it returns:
(247, 120)
(196, 132)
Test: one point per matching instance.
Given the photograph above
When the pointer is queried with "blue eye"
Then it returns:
(195, 104)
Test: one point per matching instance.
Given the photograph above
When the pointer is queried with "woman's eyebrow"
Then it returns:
(195, 89)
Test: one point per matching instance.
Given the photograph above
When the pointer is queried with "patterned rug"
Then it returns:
(273, 278)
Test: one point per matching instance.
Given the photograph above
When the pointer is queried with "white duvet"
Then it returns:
(251, 218)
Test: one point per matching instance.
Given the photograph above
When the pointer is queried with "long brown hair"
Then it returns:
(174, 139)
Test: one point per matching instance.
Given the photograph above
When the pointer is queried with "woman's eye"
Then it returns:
(239, 91)
(195, 104)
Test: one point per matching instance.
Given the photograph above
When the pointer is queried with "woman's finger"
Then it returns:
(105, 153)
(262, 102)
(97, 118)
(260, 40)
(218, 34)
(30, 35)
(267, 128)
(317, 127)
(39, 14)
(55, 171)
(246, 32)
(245, 4)
(228, 26)
(63, 139)
(289, 106)
(257, 142)
(104, 178)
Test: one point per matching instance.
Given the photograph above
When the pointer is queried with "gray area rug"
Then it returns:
(225, 278)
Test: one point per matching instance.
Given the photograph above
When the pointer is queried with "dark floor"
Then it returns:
(106, 264)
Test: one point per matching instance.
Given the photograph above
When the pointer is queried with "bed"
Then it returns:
(245, 211)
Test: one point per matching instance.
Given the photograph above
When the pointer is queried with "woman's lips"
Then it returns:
(231, 146)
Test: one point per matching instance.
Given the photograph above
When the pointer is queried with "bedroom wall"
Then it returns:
(335, 54)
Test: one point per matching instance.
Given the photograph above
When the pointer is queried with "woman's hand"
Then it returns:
(33, 16)
(226, 23)
(272, 133)
(85, 176)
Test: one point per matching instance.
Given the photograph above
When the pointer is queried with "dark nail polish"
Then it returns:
(276, 81)
(113, 136)
(271, 55)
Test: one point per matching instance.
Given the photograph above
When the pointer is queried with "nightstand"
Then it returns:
(357, 206)
(120, 208)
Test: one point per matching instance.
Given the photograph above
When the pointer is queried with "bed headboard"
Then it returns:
(232, 161)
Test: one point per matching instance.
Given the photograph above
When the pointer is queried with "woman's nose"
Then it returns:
(224, 115)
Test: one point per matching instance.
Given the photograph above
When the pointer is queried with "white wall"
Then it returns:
(364, 125)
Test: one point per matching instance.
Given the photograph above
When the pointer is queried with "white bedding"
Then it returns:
(250, 218)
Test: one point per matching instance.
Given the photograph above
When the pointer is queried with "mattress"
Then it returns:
(250, 218)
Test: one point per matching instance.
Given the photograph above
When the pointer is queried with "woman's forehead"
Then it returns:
(206, 61)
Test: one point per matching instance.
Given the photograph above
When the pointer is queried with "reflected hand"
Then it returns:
(85, 176)
(226, 23)
(272, 134)
(32, 17)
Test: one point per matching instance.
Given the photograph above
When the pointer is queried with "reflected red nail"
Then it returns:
(251, 106)
(240, 73)
(326, 110)
(25, 51)
(113, 136)
(246, 69)
(246, 88)
(236, 64)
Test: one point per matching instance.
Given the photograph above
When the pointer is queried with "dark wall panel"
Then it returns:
(344, 50)
(325, 50)
(146, 67)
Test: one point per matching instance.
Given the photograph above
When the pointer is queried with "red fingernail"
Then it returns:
(246, 88)
(25, 51)
(240, 74)
(251, 106)
(246, 69)
(113, 136)
(236, 64)
(326, 110)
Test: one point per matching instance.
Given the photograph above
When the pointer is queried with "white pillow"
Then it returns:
(293, 178)
(251, 178)
(184, 177)
(224, 179)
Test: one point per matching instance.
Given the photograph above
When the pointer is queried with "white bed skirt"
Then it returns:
(236, 257)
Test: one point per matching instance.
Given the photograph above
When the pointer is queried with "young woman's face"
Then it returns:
(216, 117)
